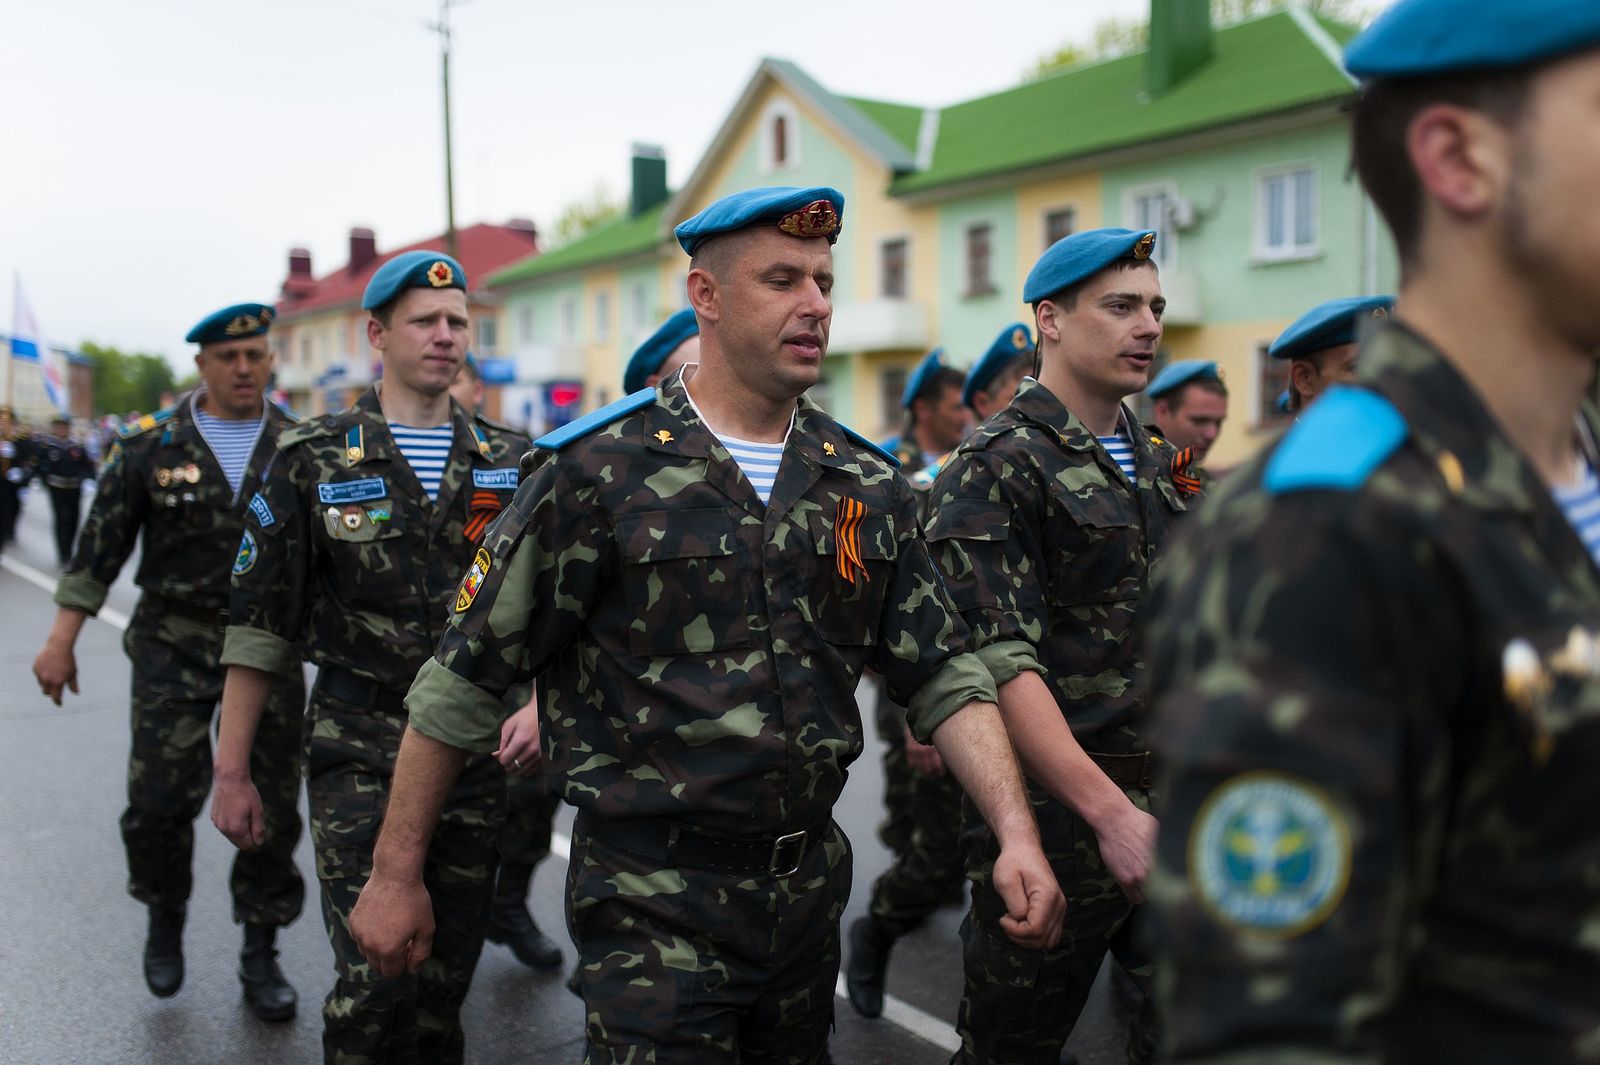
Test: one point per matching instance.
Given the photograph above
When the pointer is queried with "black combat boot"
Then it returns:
(163, 951)
(511, 924)
(266, 992)
(870, 943)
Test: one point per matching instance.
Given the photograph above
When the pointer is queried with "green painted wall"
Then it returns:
(1221, 182)
(965, 325)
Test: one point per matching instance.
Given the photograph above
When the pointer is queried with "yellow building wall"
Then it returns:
(1081, 192)
(1234, 347)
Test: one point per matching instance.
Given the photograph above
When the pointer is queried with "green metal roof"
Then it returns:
(1266, 65)
(617, 239)
(900, 121)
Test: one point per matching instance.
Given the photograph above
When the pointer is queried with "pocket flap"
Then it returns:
(970, 520)
(658, 535)
(876, 535)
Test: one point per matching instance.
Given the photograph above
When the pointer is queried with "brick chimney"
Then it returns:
(299, 281)
(526, 227)
(363, 249)
(649, 178)
(1180, 41)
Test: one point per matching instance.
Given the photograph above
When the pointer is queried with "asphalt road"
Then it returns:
(71, 939)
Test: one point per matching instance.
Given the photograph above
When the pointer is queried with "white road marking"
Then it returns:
(924, 1026)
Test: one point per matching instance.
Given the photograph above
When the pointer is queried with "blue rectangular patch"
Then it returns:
(352, 491)
(259, 508)
(506, 477)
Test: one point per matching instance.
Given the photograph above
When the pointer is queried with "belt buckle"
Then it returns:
(780, 866)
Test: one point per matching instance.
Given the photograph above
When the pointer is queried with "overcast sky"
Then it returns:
(164, 155)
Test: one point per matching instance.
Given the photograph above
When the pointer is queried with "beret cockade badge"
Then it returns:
(815, 219)
(440, 274)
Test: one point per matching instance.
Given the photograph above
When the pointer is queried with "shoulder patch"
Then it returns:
(893, 462)
(1337, 444)
(560, 438)
(148, 422)
(299, 432)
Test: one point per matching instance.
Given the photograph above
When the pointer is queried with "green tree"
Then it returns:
(1116, 37)
(583, 216)
(125, 381)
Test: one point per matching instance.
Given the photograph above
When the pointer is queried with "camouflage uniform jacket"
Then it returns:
(343, 550)
(1381, 842)
(162, 477)
(1046, 548)
(698, 652)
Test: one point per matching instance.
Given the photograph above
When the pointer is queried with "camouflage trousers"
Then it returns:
(177, 680)
(687, 967)
(366, 1019)
(1019, 1006)
(531, 804)
(899, 779)
(929, 872)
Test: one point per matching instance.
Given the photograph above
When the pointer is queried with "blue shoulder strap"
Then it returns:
(560, 438)
(893, 462)
(1345, 435)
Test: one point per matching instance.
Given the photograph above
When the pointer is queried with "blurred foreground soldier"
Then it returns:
(63, 465)
(676, 343)
(992, 382)
(14, 460)
(1379, 695)
(923, 802)
(1045, 524)
(531, 801)
(1321, 346)
(353, 548)
(697, 576)
(1189, 403)
(182, 478)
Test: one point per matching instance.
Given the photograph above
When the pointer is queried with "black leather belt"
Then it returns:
(352, 688)
(673, 843)
(1125, 770)
(216, 615)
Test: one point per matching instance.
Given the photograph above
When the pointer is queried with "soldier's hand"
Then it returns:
(1127, 846)
(519, 749)
(1035, 906)
(56, 668)
(922, 757)
(236, 811)
(393, 925)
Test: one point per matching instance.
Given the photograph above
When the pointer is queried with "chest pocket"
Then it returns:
(844, 611)
(1095, 550)
(686, 583)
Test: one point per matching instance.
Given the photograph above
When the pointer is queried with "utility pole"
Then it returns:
(442, 28)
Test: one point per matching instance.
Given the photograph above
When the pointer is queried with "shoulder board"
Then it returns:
(893, 462)
(310, 429)
(601, 418)
(1340, 440)
(149, 421)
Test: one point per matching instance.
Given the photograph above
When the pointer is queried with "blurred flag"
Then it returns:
(27, 344)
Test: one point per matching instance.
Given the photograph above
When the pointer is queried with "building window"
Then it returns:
(525, 324)
(894, 268)
(1058, 223)
(569, 319)
(780, 137)
(602, 315)
(1272, 379)
(980, 239)
(890, 386)
(487, 335)
(1286, 213)
(639, 299)
(1149, 208)
(305, 350)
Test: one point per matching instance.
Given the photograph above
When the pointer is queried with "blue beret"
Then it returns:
(931, 364)
(812, 212)
(1176, 374)
(1015, 339)
(412, 269)
(1328, 325)
(1082, 255)
(1282, 402)
(1416, 38)
(648, 357)
(232, 323)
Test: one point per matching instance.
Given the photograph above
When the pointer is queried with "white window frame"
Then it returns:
(883, 242)
(602, 315)
(569, 318)
(1166, 253)
(639, 306)
(487, 349)
(967, 227)
(525, 323)
(1260, 251)
(791, 121)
